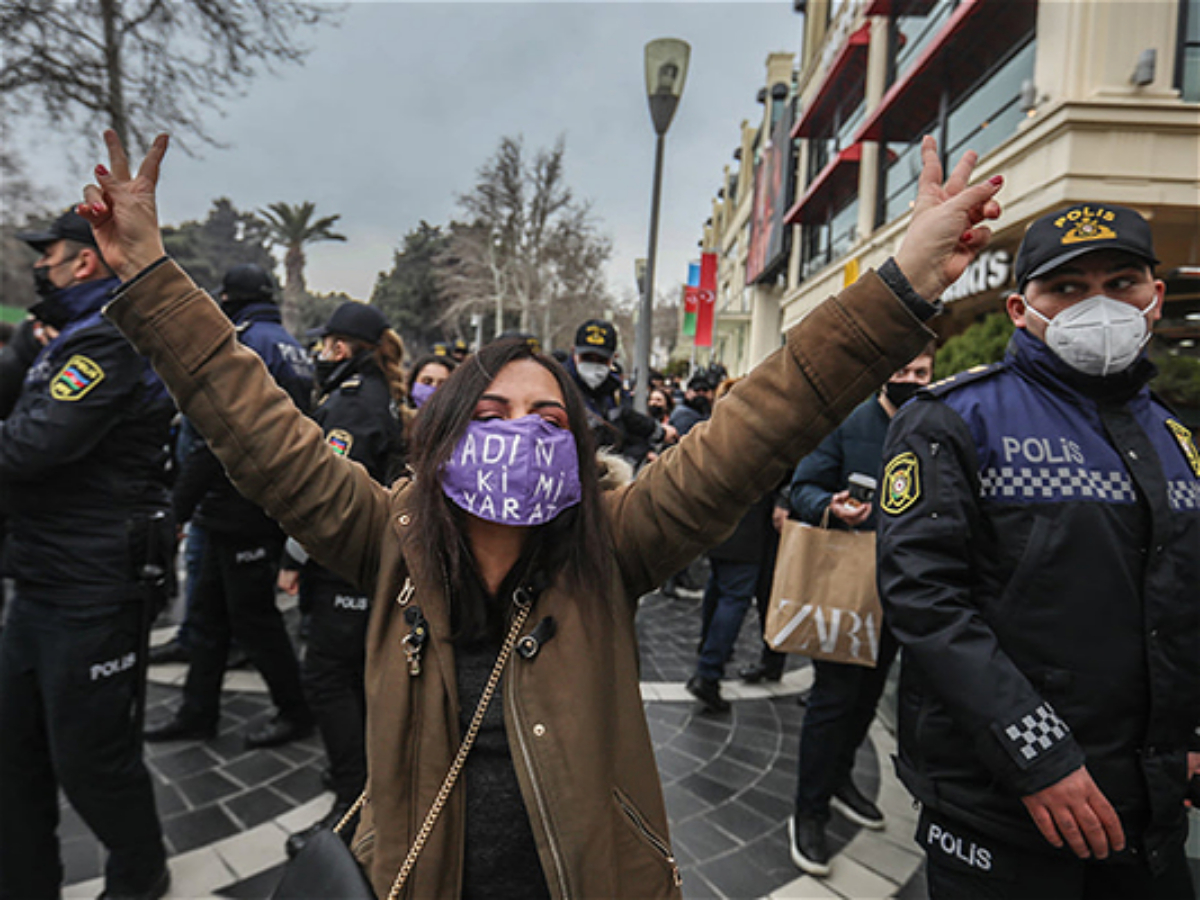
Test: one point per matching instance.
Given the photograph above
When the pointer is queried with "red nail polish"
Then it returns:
(98, 207)
(82, 209)
(100, 170)
(966, 237)
(996, 179)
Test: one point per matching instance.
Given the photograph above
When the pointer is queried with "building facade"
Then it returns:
(1069, 100)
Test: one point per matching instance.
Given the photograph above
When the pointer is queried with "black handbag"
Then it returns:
(326, 868)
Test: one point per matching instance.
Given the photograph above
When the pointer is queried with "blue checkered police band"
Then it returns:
(1075, 483)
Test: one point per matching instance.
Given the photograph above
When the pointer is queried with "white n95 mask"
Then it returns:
(1099, 335)
(592, 374)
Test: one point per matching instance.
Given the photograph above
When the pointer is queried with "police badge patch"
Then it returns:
(901, 484)
(341, 441)
(75, 379)
(1184, 437)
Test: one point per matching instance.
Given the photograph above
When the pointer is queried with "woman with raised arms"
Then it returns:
(500, 565)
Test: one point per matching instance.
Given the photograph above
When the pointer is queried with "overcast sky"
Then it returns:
(395, 110)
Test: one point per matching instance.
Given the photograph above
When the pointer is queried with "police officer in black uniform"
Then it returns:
(1039, 561)
(234, 596)
(358, 413)
(82, 465)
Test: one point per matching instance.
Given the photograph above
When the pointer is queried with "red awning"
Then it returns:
(846, 77)
(967, 46)
(899, 7)
(836, 182)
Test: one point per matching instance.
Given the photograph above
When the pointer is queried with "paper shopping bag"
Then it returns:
(823, 598)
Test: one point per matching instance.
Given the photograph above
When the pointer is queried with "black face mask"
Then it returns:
(700, 404)
(42, 284)
(325, 369)
(900, 392)
(658, 411)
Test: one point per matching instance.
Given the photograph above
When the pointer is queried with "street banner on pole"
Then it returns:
(691, 299)
(707, 300)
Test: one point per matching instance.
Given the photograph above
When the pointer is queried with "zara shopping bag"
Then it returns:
(823, 598)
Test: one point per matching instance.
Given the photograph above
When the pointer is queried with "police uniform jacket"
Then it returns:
(613, 420)
(82, 455)
(357, 416)
(573, 712)
(1039, 561)
(202, 490)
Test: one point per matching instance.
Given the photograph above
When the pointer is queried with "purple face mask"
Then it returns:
(513, 471)
(420, 393)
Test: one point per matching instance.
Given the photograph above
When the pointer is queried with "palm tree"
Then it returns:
(292, 227)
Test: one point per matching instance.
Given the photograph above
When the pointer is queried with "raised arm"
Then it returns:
(832, 360)
(274, 454)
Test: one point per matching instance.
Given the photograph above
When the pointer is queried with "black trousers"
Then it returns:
(962, 864)
(840, 709)
(68, 689)
(235, 598)
(334, 661)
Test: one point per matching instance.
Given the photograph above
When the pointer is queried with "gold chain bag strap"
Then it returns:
(523, 602)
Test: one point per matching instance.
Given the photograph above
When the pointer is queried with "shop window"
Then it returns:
(1187, 71)
(913, 34)
(987, 117)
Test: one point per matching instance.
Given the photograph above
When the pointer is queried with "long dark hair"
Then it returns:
(575, 543)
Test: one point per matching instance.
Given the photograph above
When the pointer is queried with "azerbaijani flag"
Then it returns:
(691, 299)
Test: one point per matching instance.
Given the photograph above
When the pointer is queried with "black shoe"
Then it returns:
(170, 652)
(708, 693)
(278, 731)
(156, 890)
(177, 728)
(850, 802)
(295, 843)
(806, 839)
(757, 672)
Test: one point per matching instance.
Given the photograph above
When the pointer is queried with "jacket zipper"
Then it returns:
(539, 797)
(655, 841)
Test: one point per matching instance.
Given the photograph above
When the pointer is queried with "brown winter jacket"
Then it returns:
(573, 713)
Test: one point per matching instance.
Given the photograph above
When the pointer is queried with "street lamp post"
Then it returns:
(666, 72)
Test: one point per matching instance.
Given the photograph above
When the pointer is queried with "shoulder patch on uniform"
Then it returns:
(967, 376)
(75, 379)
(341, 441)
(901, 484)
(1186, 443)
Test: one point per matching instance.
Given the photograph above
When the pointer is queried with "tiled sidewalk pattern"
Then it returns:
(728, 781)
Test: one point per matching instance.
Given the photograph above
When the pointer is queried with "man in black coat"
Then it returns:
(83, 473)
(234, 597)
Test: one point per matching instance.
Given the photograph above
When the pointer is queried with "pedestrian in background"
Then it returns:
(428, 374)
(83, 472)
(842, 703)
(1039, 562)
(234, 596)
(741, 569)
(564, 790)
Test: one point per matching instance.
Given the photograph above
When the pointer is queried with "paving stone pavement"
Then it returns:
(728, 781)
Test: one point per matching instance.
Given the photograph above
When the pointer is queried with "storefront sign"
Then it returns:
(990, 272)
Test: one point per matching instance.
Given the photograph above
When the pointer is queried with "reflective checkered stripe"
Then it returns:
(1036, 733)
(1184, 494)
(1055, 483)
